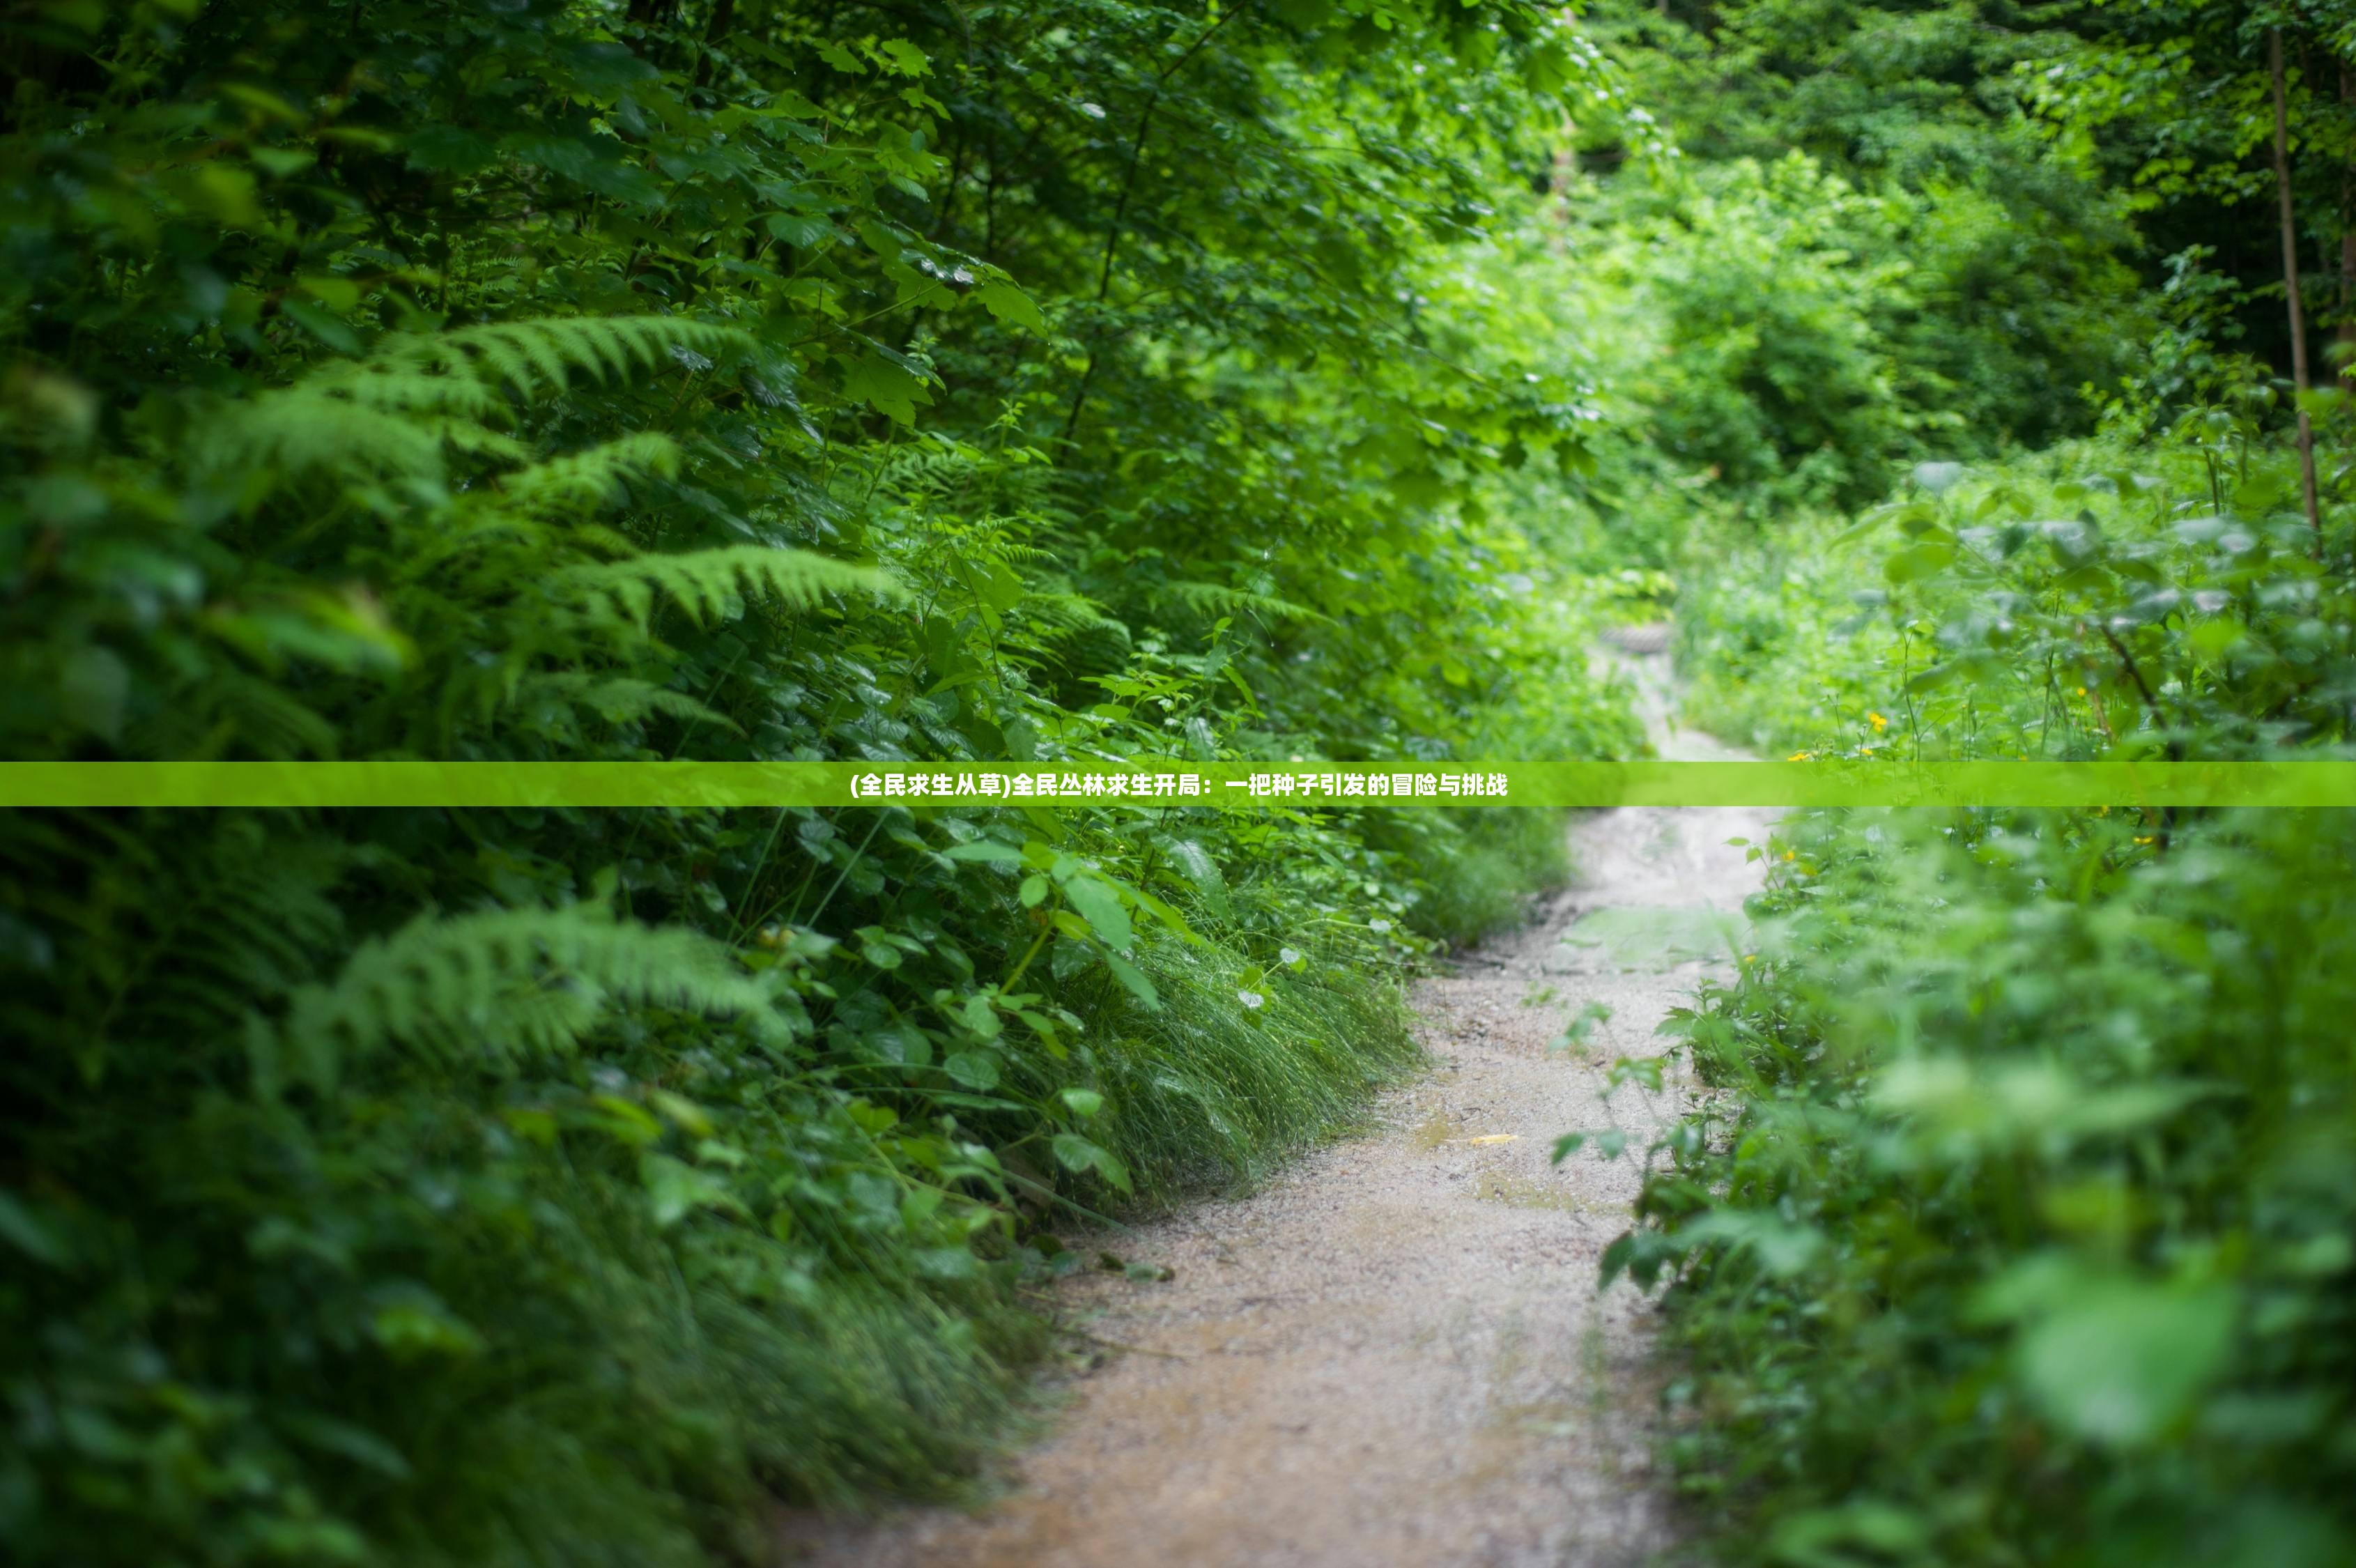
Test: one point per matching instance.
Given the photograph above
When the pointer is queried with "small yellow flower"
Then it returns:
(1877, 722)
(1789, 854)
(2143, 841)
(2082, 691)
(1798, 757)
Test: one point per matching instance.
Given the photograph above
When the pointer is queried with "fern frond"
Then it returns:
(506, 984)
(248, 923)
(617, 699)
(398, 413)
(397, 384)
(596, 538)
(580, 482)
(1212, 599)
(389, 415)
(227, 710)
(309, 427)
(931, 470)
(1094, 647)
(544, 355)
(714, 584)
(1063, 612)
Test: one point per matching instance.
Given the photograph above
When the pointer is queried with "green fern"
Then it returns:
(544, 355)
(253, 925)
(1058, 612)
(191, 936)
(617, 699)
(1210, 599)
(713, 586)
(504, 985)
(316, 426)
(416, 396)
(579, 483)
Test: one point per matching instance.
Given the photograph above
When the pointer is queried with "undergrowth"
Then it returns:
(2015, 1227)
(2012, 1224)
(545, 381)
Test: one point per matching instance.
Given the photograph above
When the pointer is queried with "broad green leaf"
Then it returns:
(31, 1232)
(2122, 1364)
(1919, 561)
(994, 851)
(1012, 305)
(886, 387)
(1099, 904)
(1784, 1250)
(1077, 1153)
(675, 1189)
(977, 1070)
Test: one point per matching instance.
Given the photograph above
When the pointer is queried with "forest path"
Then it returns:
(1394, 1352)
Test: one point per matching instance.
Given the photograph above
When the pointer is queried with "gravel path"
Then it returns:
(1394, 1353)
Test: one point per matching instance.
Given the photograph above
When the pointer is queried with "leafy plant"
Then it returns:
(2013, 1227)
(735, 381)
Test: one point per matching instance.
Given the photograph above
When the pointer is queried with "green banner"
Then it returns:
(1174, 784)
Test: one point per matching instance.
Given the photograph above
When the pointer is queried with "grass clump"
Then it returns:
(1481, 867)
(1245, 1063)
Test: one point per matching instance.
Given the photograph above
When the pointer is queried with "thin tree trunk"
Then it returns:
(2290, 285)
(2347, 303)
(724, 17)
(2348, 247)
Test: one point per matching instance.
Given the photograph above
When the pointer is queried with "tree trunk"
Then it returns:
(2348, 248)
(724, 18)
(2290, 285)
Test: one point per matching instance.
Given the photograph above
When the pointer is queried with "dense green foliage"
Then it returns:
(727, 380)
(2015, 1227)
(2022, 1234)
(1873, 254)
(785, 379)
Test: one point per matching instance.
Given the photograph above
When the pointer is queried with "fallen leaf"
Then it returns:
(1494, 1138)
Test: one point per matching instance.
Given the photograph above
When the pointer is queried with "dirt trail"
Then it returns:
(1394, 1353)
